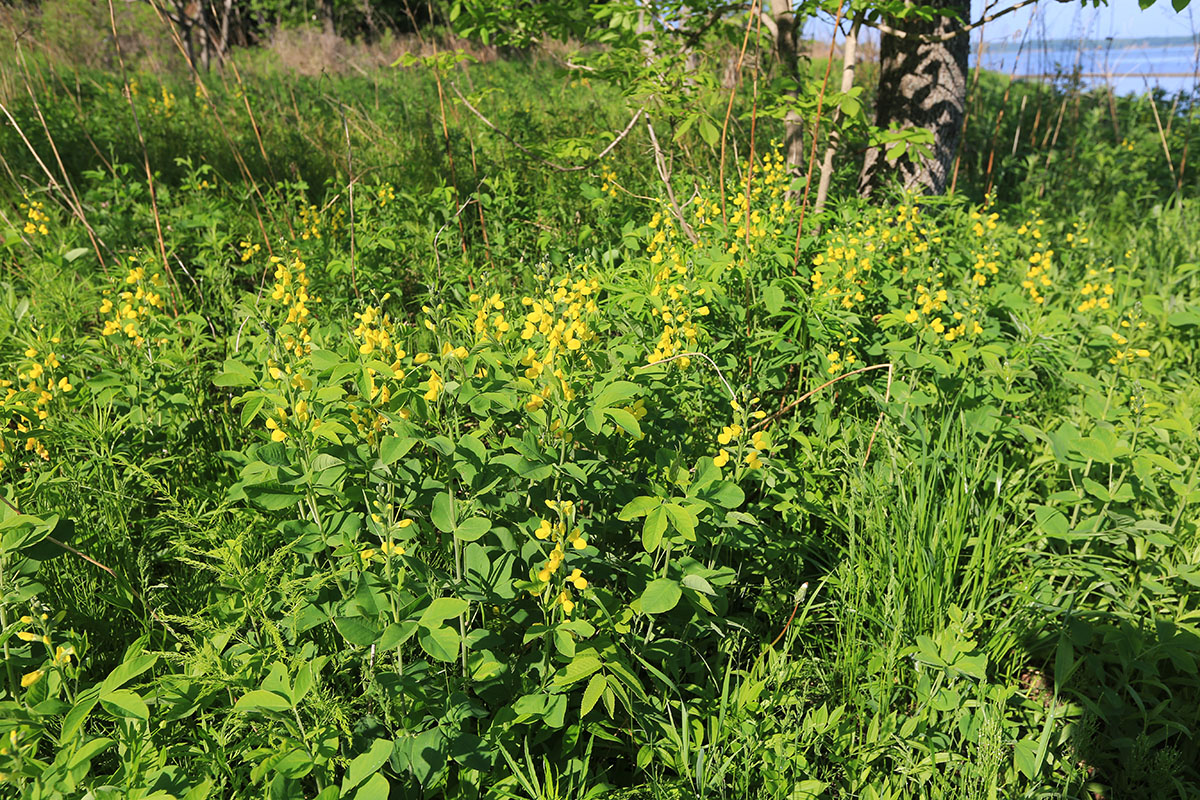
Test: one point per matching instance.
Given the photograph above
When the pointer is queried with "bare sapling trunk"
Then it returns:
(922, 84)
(849, 54)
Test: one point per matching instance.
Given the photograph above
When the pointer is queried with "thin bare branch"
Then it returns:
(945, 37)
(560, 167)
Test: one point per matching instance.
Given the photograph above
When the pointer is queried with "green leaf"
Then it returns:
(133, 665)
(617, 392)
(367, 764)
(653, 529)
(638, 507)
(235, 373)
(773, 298)
(627, 421)
(442, 609)
(591, 694)
(473, 528)
(682, 520)
(440, 643)
(356, 631)
(708, 131)
(394, 448)
(261, 700)
(78, 714)
(661, 596)
(579, 668)
(441, 513)
(376, 788)
(124, 703)
(1025, 755)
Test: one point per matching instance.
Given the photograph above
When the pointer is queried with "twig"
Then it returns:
(661, 164)
(561, 168)
(931, 38)
(762, 423)
(712, 363)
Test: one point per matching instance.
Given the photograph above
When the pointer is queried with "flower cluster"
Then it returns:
(313, 224)
(290, 292)
(26, 403)
(131, 310)
(35, 218)
(563, 535)
(609, 186)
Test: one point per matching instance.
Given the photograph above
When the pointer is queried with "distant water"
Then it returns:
(1133, 69)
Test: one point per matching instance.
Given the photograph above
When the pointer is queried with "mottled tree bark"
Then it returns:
(922, 84)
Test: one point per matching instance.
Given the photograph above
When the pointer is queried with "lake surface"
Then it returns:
(1133, 69)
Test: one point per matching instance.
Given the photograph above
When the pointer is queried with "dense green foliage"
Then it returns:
(420, 468)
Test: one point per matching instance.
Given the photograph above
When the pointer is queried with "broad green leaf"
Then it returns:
(124, 703)
(591, 694)
(661, 596)
(441, 513)
(682, 520)
(235, 373)
(579, 668)
(473, 528)
(617, 392)
(356, 630)
(440, 643)
(442, 609)
(627, 421)
(653, 529)
(394, 448)
(638, 507)
(260, 700)
(376, 788)
(367, 764)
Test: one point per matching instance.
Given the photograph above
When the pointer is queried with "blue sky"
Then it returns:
(1120, 18)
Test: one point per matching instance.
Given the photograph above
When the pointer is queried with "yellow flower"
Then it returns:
(535, 402)
(912, 316)
(367, 554)
(722, 458)
(277, 434)
(30, 678)
(27, 636)
(543, 530)
(577, 579)
(435, 387)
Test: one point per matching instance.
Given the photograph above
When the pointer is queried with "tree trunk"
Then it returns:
(849, 57)
(786, 50)
(921, 85)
